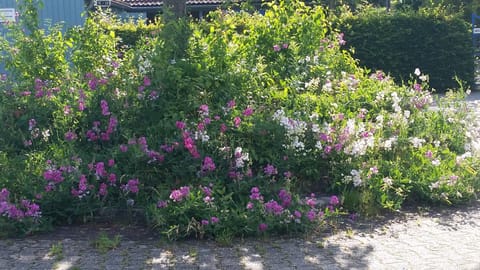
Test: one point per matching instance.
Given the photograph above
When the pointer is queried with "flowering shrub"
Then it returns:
(224, 137)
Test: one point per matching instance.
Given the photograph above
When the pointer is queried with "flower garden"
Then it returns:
(222, 128)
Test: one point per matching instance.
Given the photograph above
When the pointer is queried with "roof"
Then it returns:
(157, 4)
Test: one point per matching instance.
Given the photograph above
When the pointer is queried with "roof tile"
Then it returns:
(156, 3)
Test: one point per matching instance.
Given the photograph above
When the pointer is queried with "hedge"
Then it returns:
(399, 42)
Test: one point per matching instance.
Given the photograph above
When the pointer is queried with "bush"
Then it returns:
(399, 42)
(233, 132)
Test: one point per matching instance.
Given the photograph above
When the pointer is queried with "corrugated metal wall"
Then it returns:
(67, 11)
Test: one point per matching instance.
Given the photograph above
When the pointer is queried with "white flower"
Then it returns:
(436, 162)
(434, 185)
(417, 72)
(318, 145)
(356, 175)
(388, 181)
(417, 143)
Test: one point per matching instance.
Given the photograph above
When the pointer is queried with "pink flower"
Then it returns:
(132, 185)
(236, 121)
(70, 136)
(162, 204)
(270, 170)
(146, 81)
(285, 197)
(123, 148)
(262, 227)
(4, 195)
(276, 48)
(311, 215)
(111, 162)
(208, 164)
(100, 169)
(104, 106)
(248, 111)
(203, 110)
(67, 109)
(249, 205)
(204, 222)
(341, 41)
(214, 220)
(81, 105)
(334, 200)
(231, 104)
(223, 128)
(297, 214)
(180, 125)
(112, 178)
(178, 195)
(273, 207)
(285, 46)
(103, 189)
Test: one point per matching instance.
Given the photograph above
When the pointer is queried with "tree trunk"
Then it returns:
(176, 7)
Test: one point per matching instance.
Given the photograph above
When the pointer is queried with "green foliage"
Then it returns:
(399, 42)
(104, 243)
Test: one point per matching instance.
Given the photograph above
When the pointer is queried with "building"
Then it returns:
(68, 12)
(151, 8)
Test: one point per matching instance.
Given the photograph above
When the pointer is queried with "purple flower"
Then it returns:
(82, 184)
(255, 194)
(180, 125)
(262, 227)
(214, 220)
(123, 148)
(297, 214)
(53, 175)
(31, 124)
(102, 191)
(104, 106)
(231, 104)
(207, 191)
(111, 162)
(146, 81)
(272, 207)
(270, 170)
(248, 111)
(204, 222)
(112, 178)
(132, 185)
(334, 200)
(285, 46)
(285, 197)
(276, 48)
(223, 128)
(311, 215)
(4, 195)
(203, 110)
(208, 164)
(162, 204)
(100, 169)
(70, 136)
(249, 205)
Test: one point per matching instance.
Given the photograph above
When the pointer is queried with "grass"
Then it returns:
(104, 243)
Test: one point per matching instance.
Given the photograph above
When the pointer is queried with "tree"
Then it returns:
(176, 8)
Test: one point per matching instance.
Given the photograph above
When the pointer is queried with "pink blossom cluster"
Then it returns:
(26, 208)
(177, 195)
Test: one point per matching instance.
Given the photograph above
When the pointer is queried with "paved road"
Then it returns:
(434, 239)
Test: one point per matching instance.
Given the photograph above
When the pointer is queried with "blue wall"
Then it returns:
(67, 11)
